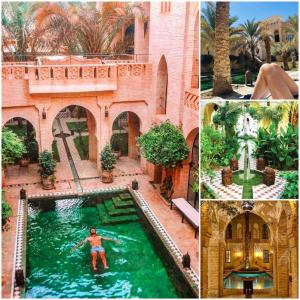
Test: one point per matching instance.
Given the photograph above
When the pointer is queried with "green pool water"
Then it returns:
(138, 266)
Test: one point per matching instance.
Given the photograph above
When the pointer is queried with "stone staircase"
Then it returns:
(119, 209)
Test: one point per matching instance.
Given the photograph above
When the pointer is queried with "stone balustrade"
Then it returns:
(72, 78)
(191, 99)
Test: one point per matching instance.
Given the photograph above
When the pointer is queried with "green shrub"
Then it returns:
(279, 149)
(6, 213)
(291, 188)
(108, 159)
(13, 147)
(47, 164)
(164, 145)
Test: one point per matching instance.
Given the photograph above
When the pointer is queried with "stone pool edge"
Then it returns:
(20, 243)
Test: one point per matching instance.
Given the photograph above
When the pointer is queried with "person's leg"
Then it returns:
(103, 258)
(293, 87)
(273, 79)
(94, 260)
(261, 88)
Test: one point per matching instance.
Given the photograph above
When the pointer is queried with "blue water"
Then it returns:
(261, 280)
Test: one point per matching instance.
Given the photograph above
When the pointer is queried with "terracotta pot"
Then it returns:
(260, 164)
(24, 162)
(107, 176)
(47, 183)
(117, 154)
(234, 164)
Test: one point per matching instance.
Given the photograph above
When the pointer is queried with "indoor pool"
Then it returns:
(139, 267)
(261, 280)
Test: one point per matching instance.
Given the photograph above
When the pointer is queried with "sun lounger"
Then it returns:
(188, 212)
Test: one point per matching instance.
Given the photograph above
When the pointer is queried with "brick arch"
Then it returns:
(30, 114)
(271, 239)
(54, 110)
(139, 109)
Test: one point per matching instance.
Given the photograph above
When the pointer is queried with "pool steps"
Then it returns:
(20, 256)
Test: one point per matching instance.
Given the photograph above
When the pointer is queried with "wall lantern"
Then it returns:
(44, 115)
(106, 112)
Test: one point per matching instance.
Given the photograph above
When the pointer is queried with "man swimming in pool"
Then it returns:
(96, 247)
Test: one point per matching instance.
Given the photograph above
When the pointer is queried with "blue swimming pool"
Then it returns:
(261, 280)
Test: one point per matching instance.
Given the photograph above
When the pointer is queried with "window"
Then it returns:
(227, 256)
(229, 232)
(276, 36)
(266, 257)
(165, 6)
(265, 232)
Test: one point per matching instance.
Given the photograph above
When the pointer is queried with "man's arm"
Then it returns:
(79, 244)
(109, 239)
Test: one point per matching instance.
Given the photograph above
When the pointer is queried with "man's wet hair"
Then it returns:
(92, 229)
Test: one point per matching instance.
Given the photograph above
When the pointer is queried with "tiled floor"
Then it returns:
(235, 192)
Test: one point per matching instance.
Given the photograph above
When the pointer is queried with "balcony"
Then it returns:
(73, 77)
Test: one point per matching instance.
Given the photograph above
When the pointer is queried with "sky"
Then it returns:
(261, 10)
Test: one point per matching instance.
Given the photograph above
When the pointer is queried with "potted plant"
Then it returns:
(25, 160)
(47, 168)
(108, 161)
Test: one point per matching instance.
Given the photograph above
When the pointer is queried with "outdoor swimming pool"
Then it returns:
(262, 280)
(139, 267)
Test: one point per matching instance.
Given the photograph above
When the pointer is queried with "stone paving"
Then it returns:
(235, 192)
(231, 192)
(240, 90)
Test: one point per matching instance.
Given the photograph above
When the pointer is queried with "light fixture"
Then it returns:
(44, 115)
(106, 112)
(248, 205)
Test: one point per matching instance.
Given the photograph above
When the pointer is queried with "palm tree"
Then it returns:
(266, 37)
(283, 49)
(251, 36)
(87, 27)
(222, 69)
(208, 22)
(18, 33)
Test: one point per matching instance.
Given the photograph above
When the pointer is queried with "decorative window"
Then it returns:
(165, 6)
(229, 232)
(266, 257)
(227, 256)
(276, 36)
(265, 232)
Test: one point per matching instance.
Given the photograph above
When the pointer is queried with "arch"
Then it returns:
(81, 120)
(228, 235)
(26, 131)
(276, 36)
(124, 142)
(195, 64)
(193, 143)
(162, 87)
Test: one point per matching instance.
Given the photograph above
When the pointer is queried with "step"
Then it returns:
(119, 203)
(113, 211)
(125, 196)
(106, 219)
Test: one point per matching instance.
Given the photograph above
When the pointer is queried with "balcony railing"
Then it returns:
(72, 78)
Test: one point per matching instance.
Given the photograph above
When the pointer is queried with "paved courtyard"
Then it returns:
(126, 170)
(240, 90)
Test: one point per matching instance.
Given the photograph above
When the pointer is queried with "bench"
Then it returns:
(188, 212)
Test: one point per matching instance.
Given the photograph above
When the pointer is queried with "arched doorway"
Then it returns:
(125, 130)
(74, 132)
(26, 132)
(162, 87)
(195, 66)
(192, 196)
(276, 36)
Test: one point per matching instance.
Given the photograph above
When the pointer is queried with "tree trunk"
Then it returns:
(285, 62)
(222, 69)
